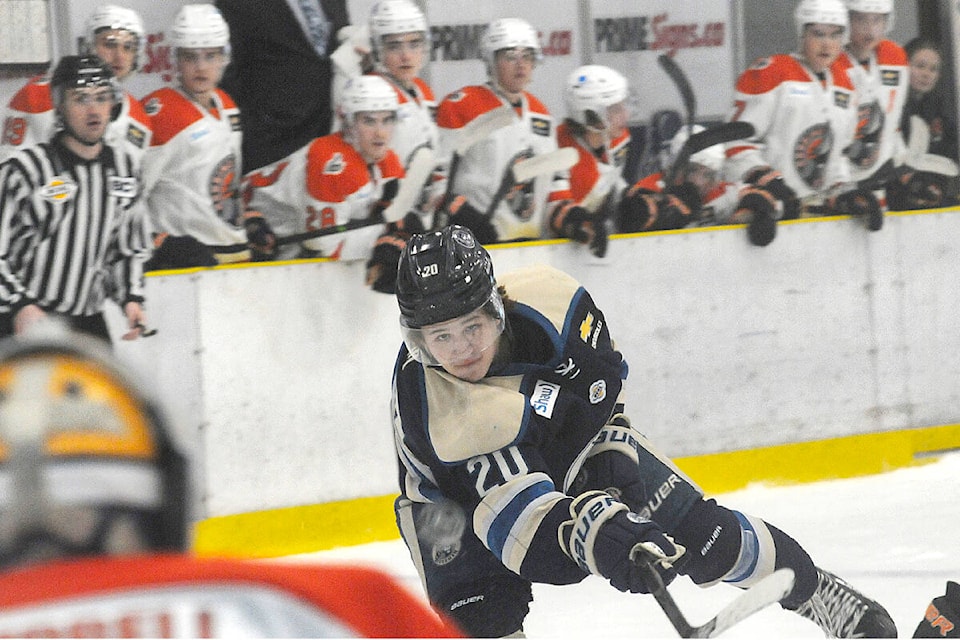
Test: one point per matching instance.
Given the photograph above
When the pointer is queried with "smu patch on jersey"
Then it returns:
(890, 77)
(540, 126)
(544, 398)
(59, 189)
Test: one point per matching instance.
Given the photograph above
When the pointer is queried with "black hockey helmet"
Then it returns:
(85, 449)
(443, 275)
(81, 72)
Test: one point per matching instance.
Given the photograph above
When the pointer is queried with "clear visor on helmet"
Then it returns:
(460, 339)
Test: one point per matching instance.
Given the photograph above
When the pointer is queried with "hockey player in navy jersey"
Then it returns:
(518, 463)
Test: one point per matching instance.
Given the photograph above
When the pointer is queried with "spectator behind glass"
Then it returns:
(280, 72)
(926, 98)
(95, 548)
(116, 36)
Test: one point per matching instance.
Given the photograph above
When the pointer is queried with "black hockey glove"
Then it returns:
(942, 619)
(387, 194)
(179, 252)
(606, 539)
(644, 210)
(772, 181)
(756, 209)
(573, 221)
(910, 190)
(260, 237)
(382, 266)
(859, 202)
(462, 213)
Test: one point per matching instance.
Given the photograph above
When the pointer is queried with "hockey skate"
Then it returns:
(843, 612)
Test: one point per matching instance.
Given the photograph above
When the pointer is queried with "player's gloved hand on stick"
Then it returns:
(860, 202)
(574, 222)
(772, 181)
(260, 236)
(383, 263)
(463, 213)
(756, 208)
(910, 190)
(673, 208)
(605, 538)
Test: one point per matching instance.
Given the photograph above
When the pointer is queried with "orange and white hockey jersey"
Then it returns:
(803, 124)
(524, 211)
(882, 85)
(595, 177)
(30, 119)
(416, 119)
(192, 170)
(324, 184)
(185, 597)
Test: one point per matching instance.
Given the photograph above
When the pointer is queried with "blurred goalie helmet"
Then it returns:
(85, 459)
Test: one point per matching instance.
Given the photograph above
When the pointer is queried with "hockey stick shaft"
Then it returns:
(767, 591)
(720, 134)
(524, 170)
(679, 78)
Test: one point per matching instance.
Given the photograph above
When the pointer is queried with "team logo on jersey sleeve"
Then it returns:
(598, 391)
(335, 165)
(59, 189)
(153, 106)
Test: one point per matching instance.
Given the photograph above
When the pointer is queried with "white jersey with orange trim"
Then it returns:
(191, 171)
(30, 119)
(882, 83)
(323, 184)
(481, 171)
(803, 124)
(185, 597)
(416, 118)
(599, 174)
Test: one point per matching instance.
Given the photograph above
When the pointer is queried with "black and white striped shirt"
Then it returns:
(72, 231)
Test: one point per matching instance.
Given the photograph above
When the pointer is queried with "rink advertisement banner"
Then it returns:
(629, 35)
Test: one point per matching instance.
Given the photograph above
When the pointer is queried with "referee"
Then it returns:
(73, 230)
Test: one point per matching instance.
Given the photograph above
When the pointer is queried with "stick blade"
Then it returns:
(482, 127)
(550, 162)
(771, 589)
(720, 134)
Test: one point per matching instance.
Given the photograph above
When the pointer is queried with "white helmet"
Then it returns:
(389, 17)
(366, 93)
(591, 89)
(199, 26)
(711, 157)
(509, 33)
(821, 12)
(109, 17)
(873, 6)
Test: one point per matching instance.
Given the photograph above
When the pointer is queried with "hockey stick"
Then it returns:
(668, 64)
(408, 191)
(720, 134)
(524, 170)
(480, 128)
(767, 591)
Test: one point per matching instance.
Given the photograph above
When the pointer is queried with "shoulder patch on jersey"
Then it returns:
(456, 96)
(540, 126)
(334, 165)
(761, 63)
(841, 99)
(58, 189)
(136, 136)
(890, 77)
(153, 106)
(234, 121)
